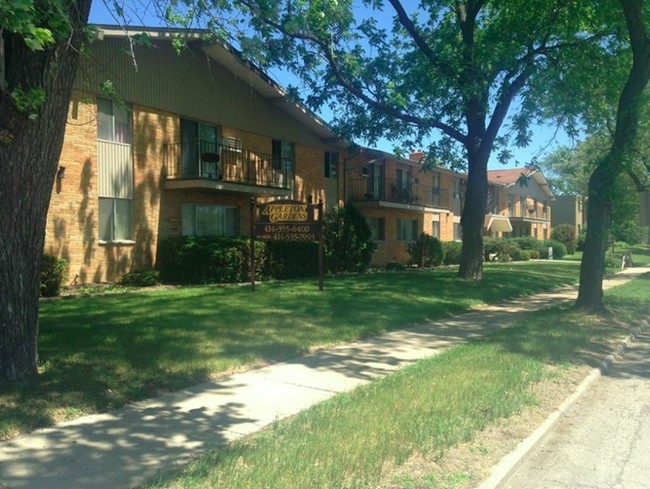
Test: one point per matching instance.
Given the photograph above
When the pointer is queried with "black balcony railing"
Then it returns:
(206, 160)
(400, 192)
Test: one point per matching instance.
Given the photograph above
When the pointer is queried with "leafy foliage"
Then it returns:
(566, 234)
(348, 240)
(53, 274)
(451, 252)
(206, 260)
(426, 251)
(141, 278)
(292, 259)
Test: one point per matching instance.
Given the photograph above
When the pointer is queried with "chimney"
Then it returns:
(417, 156)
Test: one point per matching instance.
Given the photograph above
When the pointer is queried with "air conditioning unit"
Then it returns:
(232, 143)
(365, 172)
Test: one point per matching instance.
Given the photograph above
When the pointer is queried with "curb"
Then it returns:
(510, 462)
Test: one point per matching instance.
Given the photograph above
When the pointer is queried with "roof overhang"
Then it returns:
(498, 224)
(233, 61)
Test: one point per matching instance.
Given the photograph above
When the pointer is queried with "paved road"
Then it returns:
(603, 441)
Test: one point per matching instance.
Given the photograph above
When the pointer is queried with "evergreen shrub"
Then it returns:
(53, 274)
(206, 260)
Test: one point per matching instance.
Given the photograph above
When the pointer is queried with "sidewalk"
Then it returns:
(129, 446)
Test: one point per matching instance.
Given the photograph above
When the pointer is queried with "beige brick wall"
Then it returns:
(72, 227)
(71, 231)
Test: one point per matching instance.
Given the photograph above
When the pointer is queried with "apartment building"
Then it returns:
(528, 199)
(161, 142)
(569, 209)
(401, 198)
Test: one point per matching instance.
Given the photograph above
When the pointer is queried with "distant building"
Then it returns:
(569, 209)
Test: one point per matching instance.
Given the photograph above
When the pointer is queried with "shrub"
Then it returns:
(565, 234)
(141, 278)
(451, 252)
(53, 274)
(501, 246)
(395, 266)
(205, 260)
(528, 243)
(426, 251)
(580, 240)
(533, 254)
(559, 250)
(348, 245)
(292, 259)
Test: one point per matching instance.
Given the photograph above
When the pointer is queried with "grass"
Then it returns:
(425, 409)
(100, 352)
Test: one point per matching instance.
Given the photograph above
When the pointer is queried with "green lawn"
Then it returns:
(425, 409)
(98, 353)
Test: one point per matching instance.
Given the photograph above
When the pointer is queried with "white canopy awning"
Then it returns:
(498, 224)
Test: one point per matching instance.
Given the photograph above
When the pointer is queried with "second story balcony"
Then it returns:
(392, 191)
(205, 164)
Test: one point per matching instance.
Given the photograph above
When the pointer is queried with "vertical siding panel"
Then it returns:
(115, 170)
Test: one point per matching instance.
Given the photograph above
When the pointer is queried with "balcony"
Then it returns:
(204, 164)
(392, 191)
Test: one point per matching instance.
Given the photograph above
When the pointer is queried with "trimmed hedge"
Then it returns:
(559, 250)
(206, 260)
(53, 274)
(451, 252)
(141, 278)
(292, 259)
(426, 251)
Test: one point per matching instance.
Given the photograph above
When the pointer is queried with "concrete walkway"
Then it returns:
(126, 447)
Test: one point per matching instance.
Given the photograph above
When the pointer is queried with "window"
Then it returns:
(377, 228)
(436, 229)
(457, 189)
(511, 205)
(331, 164)
(198, 139)
(115, 171)
(113, 121)
(282, 155)
(210, 220)
(407, 230)
(115, 219)
(458, 232)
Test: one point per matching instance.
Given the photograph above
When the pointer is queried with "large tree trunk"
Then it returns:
(592, 267)
(600, 184)
(473, 217)
(29, 155)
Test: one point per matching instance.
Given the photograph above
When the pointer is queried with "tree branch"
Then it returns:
(330, 56)
(419, 41)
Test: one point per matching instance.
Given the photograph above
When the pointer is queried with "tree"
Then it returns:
(447, 69)
(568, 170)
(603, 179)
(348, 240)
(40, 43)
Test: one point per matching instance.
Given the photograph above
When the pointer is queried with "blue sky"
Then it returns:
(545, 138)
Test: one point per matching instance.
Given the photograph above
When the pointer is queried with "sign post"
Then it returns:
(287, 220)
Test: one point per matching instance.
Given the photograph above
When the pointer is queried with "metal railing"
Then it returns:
(206, 160)
(400, 192)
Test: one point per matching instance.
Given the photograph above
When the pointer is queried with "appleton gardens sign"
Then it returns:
(287, 220)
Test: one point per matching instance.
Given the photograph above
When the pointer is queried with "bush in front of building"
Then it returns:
(565, 234)
(528, 243)
(426, 251)
(292, 259)
(451, 252)
(208, 260)
(53, 274)
(559, 250)
(348, 240)
(141, 278)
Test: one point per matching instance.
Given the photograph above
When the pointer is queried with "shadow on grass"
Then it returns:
(99, 353)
